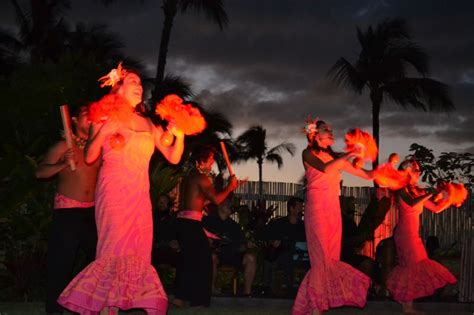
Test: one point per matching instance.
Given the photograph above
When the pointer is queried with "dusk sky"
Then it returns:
(269, 66)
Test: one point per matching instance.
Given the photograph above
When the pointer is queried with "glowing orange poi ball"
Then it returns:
(167, 138)
(358, 162)
(117, 141)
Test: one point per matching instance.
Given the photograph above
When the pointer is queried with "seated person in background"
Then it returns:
(385, 260)
(232, 248)
(353, 238)
(282, 235)
(165, 245)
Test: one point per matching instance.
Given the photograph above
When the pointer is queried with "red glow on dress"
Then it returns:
(387, 176)
(453, 193)
(357, 139)
(184, 117)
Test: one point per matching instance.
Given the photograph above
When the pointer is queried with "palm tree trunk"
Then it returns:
(376, 97)
(170, 8)
(260, 180)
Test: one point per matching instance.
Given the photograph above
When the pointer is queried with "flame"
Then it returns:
(184, 116)
(359, 139)
(452, 193)
(387, 176)
(111, 106)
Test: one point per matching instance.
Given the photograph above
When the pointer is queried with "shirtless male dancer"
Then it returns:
(194, 269)
(73, 225)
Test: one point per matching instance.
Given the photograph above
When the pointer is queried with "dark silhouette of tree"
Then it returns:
(252, 145)
(9, 48)
(212, 9)
(383, 67)
(42, 29)
(448, 166)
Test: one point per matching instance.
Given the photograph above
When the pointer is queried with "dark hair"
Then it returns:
(202, 153)
(315, 146)
(75, 111)
(291, 203)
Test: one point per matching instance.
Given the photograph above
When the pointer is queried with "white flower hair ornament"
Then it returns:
(311, 126)
(113, 77)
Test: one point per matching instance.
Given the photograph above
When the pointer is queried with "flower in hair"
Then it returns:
(113, 77)
(311, 125)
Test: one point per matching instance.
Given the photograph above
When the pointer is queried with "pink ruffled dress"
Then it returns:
(122, 275)
(415, 275)
(329, 282)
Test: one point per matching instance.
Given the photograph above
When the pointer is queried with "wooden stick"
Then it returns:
(226, 158)
(67, 131)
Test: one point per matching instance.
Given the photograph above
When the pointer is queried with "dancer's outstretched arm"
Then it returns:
(409, 200)
(437, 207)
(360, 172)
(329, 167)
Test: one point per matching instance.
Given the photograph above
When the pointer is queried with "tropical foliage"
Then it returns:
(383, 68)
(448, 166)
(252, 145)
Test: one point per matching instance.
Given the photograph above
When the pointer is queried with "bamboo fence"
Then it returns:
(453, 227)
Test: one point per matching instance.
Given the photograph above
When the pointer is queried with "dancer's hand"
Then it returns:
(357, 152)
(233, 182)
(70, 155)
(243, 181)
(174, 129)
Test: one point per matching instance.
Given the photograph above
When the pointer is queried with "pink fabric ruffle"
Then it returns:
(336, 284)
(125, 282)
(413, 281)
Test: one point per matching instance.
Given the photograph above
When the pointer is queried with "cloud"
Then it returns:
(269, 66)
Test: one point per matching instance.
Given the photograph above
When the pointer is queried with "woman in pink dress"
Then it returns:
(329, 282)
(416, 275)
(122, 275)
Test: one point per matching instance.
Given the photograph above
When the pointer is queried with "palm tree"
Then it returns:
(387, 56)
(42, 28)
(214, 11)
(253, 146)
(9, 52)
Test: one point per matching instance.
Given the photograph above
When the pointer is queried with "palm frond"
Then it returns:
(420, 93)
(22, 20)
(409, 53)
(252, 142)
(275, 158)
(285, 146)
(9, 41)
(213, 9)
(172, 84)
(344, 74)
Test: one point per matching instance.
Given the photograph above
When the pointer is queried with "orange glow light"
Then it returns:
(111, 106)
(455, 194)
(387, 176)
(184, 117)
(359, 139)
